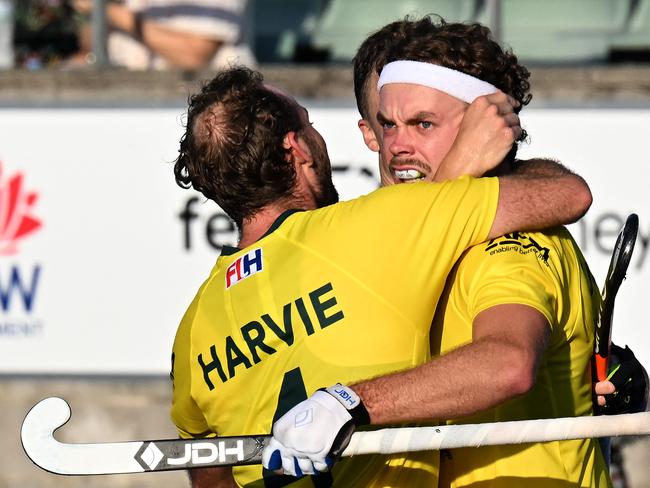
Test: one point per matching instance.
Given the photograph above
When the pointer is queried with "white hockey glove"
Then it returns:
(309, 437)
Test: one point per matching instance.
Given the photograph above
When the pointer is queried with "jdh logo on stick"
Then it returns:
(195, 454)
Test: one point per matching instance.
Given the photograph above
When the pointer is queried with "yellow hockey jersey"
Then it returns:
(339, 294)
(545, 271)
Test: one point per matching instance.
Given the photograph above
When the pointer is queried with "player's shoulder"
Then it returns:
(427, 190)
(393, 195)
(536, 248)
(192, 315)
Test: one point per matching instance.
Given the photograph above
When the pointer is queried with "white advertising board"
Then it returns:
(101, 252)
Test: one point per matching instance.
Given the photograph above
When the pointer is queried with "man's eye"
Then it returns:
(425, 124)
(387, 125)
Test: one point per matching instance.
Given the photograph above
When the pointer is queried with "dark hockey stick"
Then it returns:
(37, 435)
(615, 276)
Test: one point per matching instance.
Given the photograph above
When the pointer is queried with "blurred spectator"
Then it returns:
(45, 32)
(185, 34)
(6, 34)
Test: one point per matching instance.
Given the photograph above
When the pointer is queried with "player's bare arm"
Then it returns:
(508, 341)
(530, 202)
(541, 167)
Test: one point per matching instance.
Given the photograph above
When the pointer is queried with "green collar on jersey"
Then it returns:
(229, 250)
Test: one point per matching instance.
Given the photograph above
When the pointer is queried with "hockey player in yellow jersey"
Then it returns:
(318, 293)
(546, 273)
(516, 321)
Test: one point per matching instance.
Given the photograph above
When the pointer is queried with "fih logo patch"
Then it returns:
(243, 267)
(16, 206)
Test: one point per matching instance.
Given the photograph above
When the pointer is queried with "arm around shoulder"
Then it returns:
(540, 194)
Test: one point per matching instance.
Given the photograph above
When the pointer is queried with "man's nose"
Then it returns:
(401, 143)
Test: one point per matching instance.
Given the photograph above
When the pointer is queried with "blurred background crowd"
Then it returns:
(194, 34)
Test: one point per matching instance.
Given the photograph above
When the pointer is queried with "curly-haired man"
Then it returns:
(517, 314)
(514, 328)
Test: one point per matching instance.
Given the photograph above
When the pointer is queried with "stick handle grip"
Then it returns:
(389, 441)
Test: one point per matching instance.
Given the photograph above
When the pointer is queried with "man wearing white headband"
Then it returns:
(518, 311)
(505, 312)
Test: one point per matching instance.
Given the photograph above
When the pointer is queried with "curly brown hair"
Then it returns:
(232, 150)
(371, 58)
(469, 48)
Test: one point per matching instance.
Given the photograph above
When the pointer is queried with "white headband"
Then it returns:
(455, 83)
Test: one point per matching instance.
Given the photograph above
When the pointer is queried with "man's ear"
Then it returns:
(368, 134)
(296, 146)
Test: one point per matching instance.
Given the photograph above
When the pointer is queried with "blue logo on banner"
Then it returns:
(18, 283)
(18, 288)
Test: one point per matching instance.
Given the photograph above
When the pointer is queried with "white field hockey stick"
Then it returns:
(47, 416)
(615, 276)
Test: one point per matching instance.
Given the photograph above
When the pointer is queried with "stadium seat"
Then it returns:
(562, 30)
(553, 31)
(280, 26)
(634, 42)
(346, 23)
